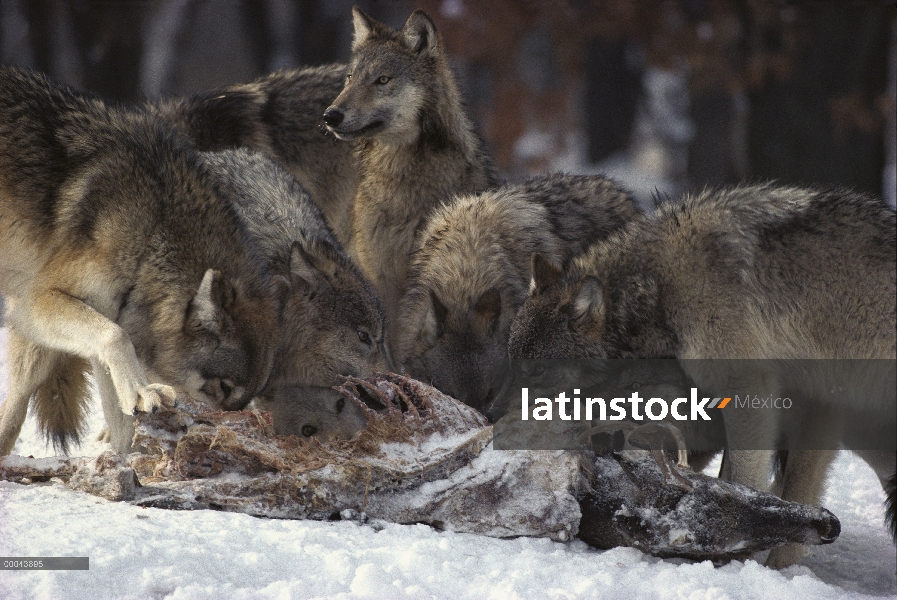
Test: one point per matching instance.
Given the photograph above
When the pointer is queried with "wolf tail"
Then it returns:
(61, 402)
(891, 505)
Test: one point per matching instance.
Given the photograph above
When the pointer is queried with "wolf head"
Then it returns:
(578, 313)
(332, 322)
(466, 281)
(456, 343)
(332, 326)
(309, 411)
(390, 81)
(194, 297)
(225, 349)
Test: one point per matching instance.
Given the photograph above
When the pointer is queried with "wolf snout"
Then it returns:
(477, 399)
(333, 117)
(494, 411)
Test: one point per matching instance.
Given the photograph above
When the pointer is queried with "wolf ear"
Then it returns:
(364, 27)
(304, 275)
(545, 274)
(488, 307)
(419, 34)
(212, 297)
(588, 301)
(283, 287)
(310, 267)
(436, 316)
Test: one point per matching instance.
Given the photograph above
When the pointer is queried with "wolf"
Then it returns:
(333, 325)
(416, 147)
(751, 272)
(120, 250)
(472, 267)
(278, 115)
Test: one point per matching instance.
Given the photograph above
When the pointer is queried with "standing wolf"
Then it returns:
(331, 325)
(118, 248)
(416, 147)
(473, 266)
(278, 115)
(332, 322)
(749, 273)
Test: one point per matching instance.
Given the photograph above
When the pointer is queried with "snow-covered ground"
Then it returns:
(153, 553)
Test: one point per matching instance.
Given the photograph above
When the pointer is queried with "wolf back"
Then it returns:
(278, 115)
(119, 247)
(754, 272)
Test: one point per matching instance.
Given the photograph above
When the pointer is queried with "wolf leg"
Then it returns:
(120, 426)
(803, 481)
(750, 435)
(29, 365)
(884, 463)
(749, 455)
(63, 322)
(811, 436)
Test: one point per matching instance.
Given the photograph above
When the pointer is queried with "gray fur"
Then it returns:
(117, 246)
(278, 115)
(332, 322)
(473, 268)
(749, 272)
(416, 146)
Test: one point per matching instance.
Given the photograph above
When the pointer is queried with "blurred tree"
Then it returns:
(773, 88)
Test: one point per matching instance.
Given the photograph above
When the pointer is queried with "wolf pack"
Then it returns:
(256, 243)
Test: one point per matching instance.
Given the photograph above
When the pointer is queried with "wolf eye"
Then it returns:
(383, 79)
(309, 430)
(364, 337)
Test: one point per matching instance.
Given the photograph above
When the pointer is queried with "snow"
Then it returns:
(192, 555)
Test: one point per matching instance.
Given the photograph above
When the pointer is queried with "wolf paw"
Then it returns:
(153, 396)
